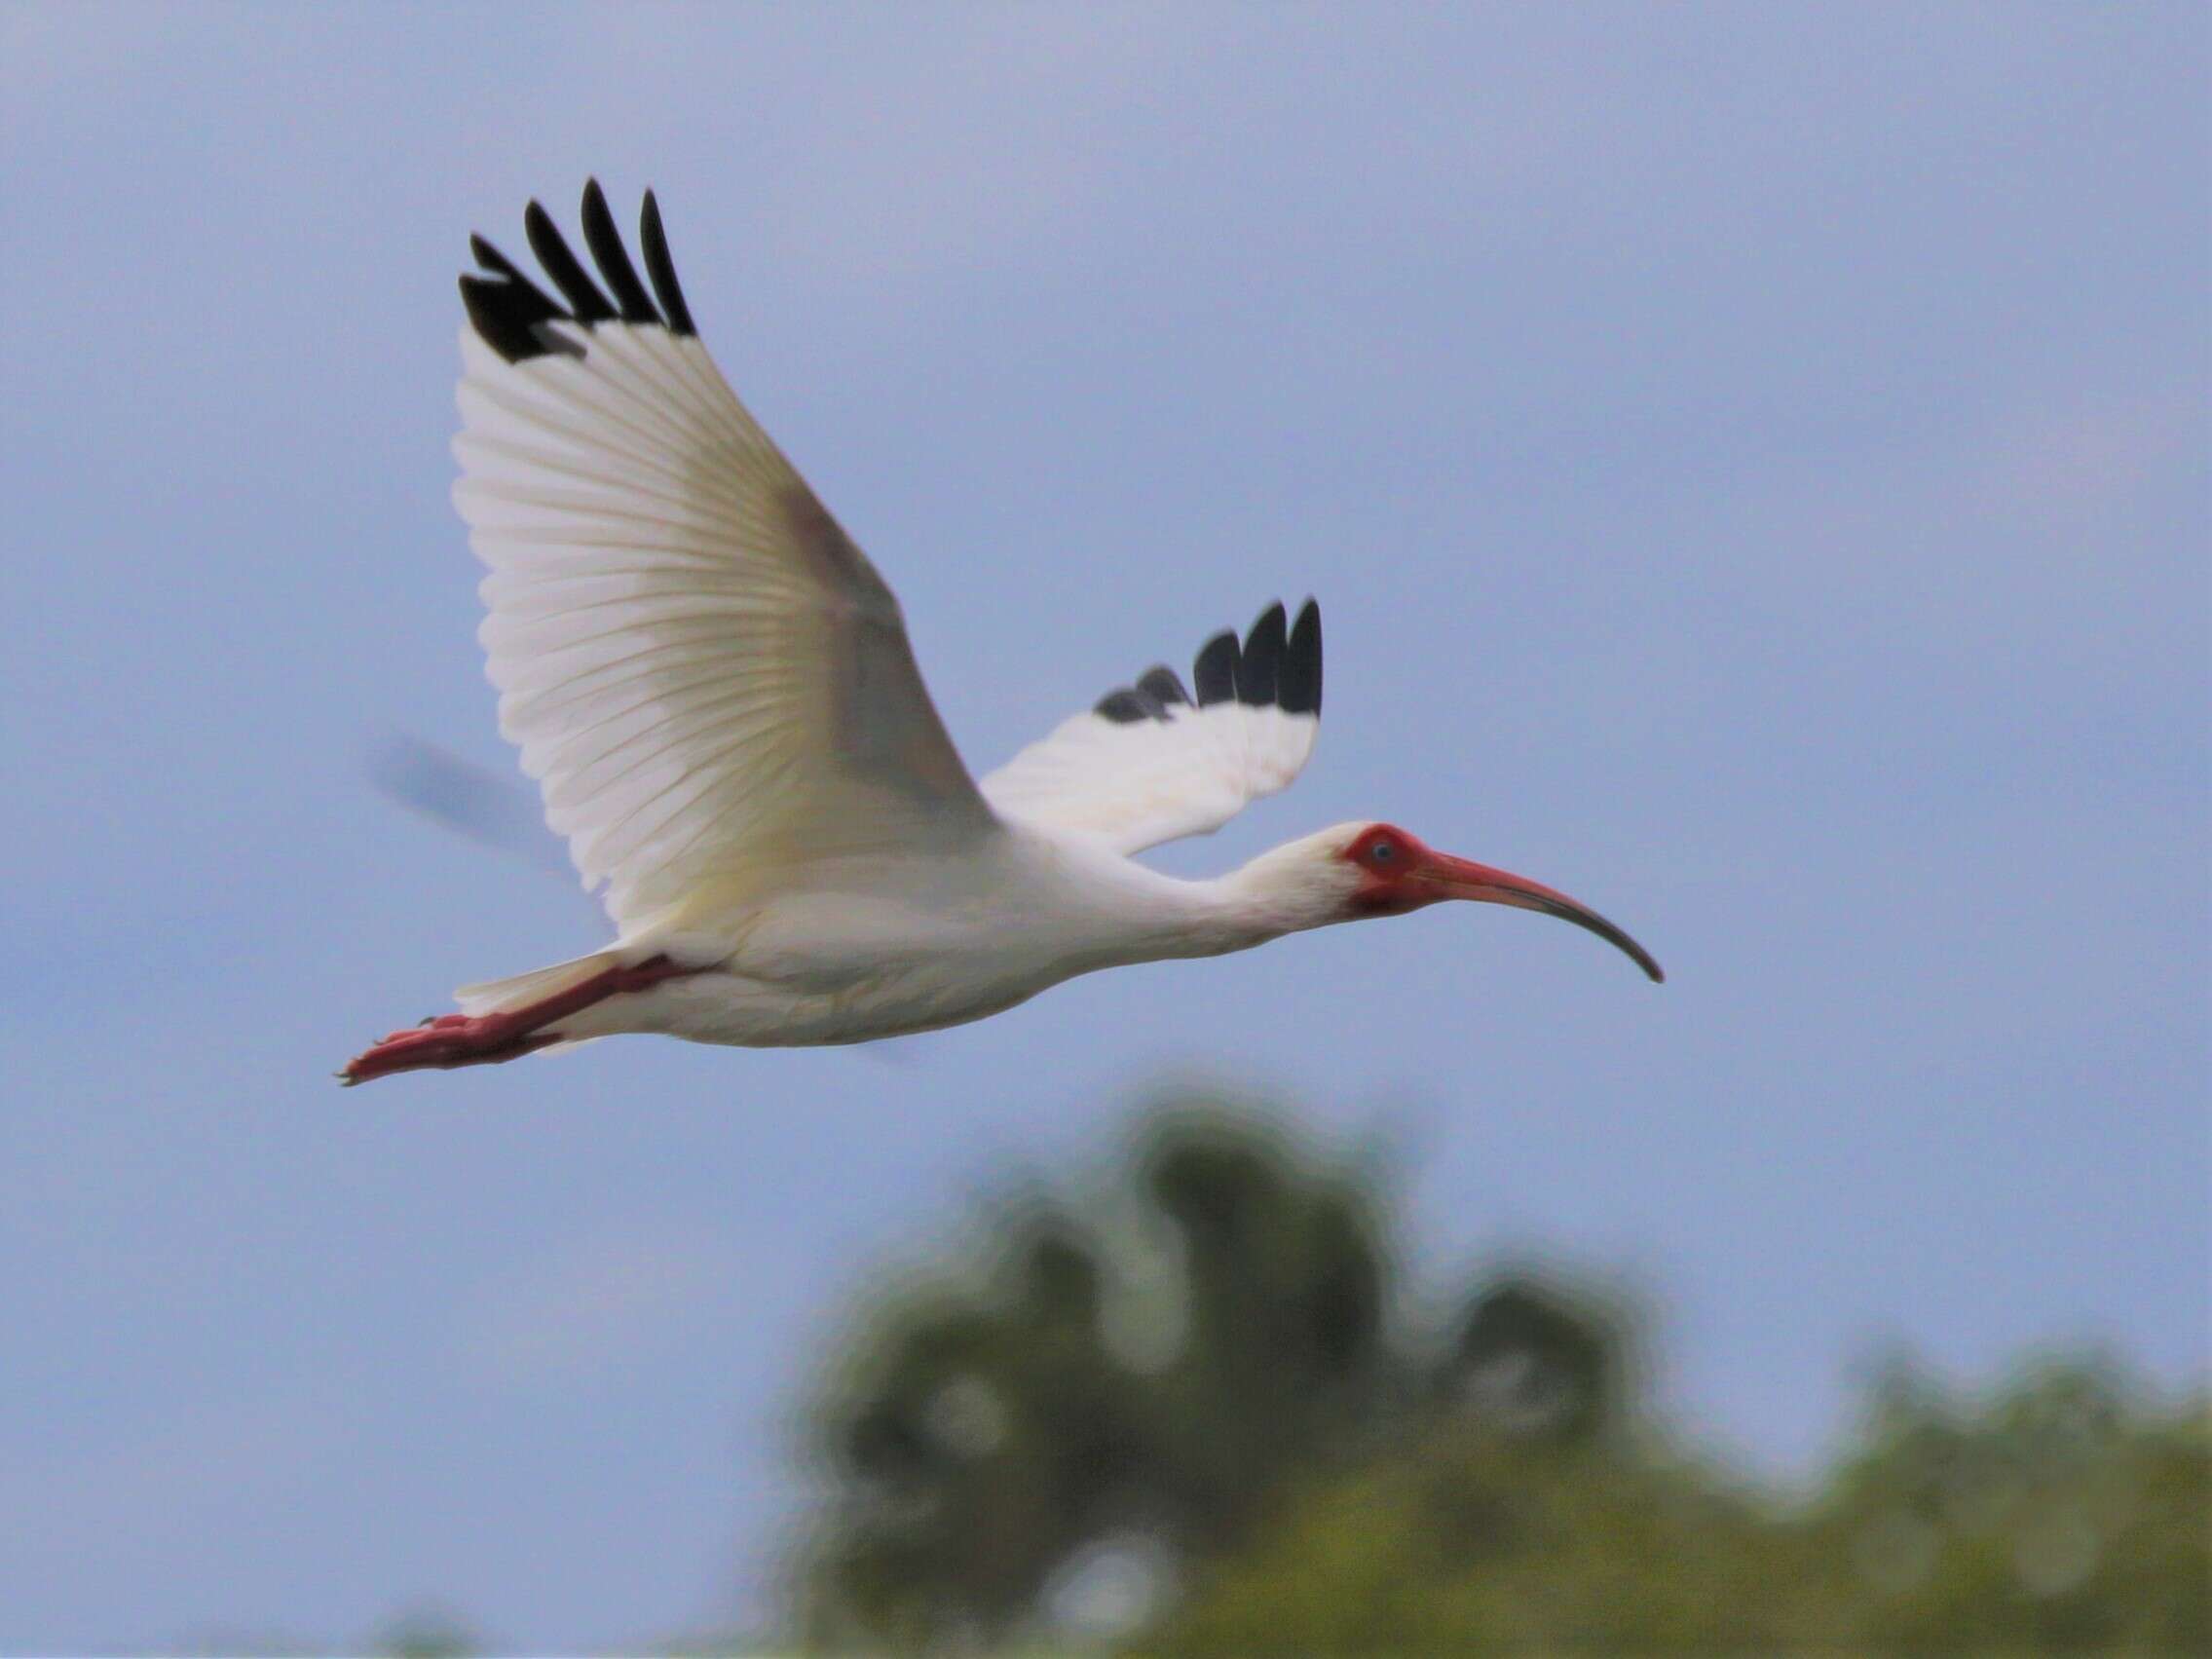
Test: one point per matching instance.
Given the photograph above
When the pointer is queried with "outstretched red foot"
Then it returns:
(445, 1041)
(448, 1041)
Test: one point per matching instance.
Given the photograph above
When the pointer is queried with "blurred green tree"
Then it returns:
(1187, 1406)
(428, 1634)
(2064, 1514)
(1121, 1385)
(1473, 1540)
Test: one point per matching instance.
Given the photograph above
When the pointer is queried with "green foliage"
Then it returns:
(2059, 1517)
(988, 1424)
(2062, 1514)
(1133, 1376)
(427, 1635)
(1184, 1407)
(1472, 1538)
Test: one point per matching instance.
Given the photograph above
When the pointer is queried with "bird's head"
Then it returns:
(1375, 869)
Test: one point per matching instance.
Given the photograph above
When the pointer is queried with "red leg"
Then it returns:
(445, 1041)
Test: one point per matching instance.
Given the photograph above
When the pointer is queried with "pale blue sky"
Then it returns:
(1754, 465)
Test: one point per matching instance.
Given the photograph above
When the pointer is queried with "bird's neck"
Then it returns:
(1106, 909)
(1286, 891)
(1246, 907)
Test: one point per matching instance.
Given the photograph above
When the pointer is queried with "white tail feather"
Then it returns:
(500, 995)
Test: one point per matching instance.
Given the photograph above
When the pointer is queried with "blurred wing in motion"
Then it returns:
(709, 681)
(492, 809)
(1150, 762)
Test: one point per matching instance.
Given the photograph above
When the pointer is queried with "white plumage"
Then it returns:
(706, 677)
(714, 690)
(1136, 784)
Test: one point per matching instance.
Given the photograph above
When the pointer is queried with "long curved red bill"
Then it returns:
(1461, 878)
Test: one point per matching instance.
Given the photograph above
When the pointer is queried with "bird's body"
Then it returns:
(885, 948)
(714, 689)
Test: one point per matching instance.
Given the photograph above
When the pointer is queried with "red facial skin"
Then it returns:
(1401, 873)
(1388, 855)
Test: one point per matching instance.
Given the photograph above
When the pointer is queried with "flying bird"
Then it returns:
(714, 690)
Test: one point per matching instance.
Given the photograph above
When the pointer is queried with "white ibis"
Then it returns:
(714, 690)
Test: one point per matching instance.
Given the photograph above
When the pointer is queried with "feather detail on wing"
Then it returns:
(1150, 762)
(707, 678)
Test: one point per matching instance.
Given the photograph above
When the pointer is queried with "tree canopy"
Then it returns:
(1192, 1405)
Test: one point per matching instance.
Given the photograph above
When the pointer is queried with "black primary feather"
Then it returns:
(568, 274)
(507, 308)
(612, 259)
(510, 313)
(1215, 672)
(663, 270)
(1127, 707)
(1297, 689)
(1164, 684)
(1262, 659)
(494, 315)
(1266, 669)
(500, 265)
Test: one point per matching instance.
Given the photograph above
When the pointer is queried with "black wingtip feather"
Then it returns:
(1163, 683)
(1215, 672)
(1299, 683)
(1262, 659)
(568, 273)
(510, 313)
(663, 269)
(1276, 665)
(507, 310)
(612, 259)
(1125, 708)
(504, 317)
(492, 259)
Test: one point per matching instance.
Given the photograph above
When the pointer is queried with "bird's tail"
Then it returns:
(504, 996)
(523, 990)
(505, 1019)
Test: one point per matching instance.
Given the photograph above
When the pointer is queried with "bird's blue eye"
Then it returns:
(1382, 853)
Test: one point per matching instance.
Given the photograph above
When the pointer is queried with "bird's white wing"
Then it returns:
(706, 677)
(1151, 764)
